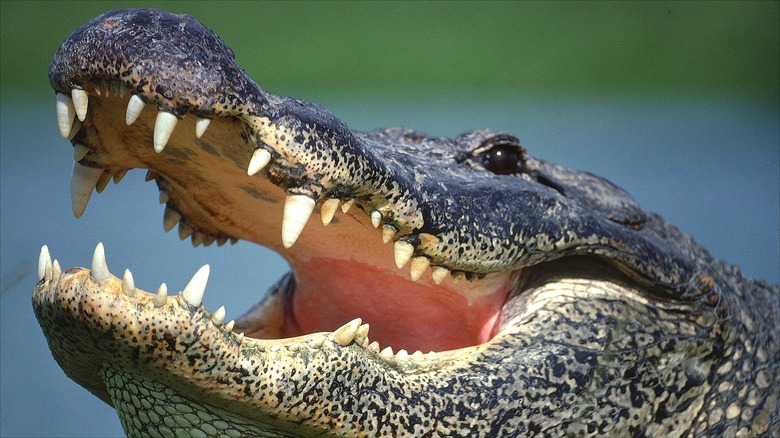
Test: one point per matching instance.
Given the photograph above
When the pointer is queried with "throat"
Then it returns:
(402, 313)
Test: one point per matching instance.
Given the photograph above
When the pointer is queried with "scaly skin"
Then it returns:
(579, 313)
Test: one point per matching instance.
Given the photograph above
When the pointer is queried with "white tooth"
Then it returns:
(402, 355)
(387, 352)
(56, 270)
(185, 231)
(128, 284)
(260, 158)
(200, 126)
(347, 205)
(403, 252)
(345, 334)
(376, 218)
(218, 316)
(44, 259)
(99, 267)
(80, 102)
(297, 209)
(361, 336)
(196, 288)
(240, 338)
(388, 232)
(328, 210)
(439, 274)
(316, 343)
(161, 297)
(164, 197)
(163, 128)
(75, 129)
(171, 217)
(82, 181)
(134, 108)
(65, 114)
(119, 176)
(79, 151)
(374, 346)
(418, 267)
(229, 326)
(102, 182)
(98, 90)
(418, 355)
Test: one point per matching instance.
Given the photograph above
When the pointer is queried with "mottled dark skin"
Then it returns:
(614, 321)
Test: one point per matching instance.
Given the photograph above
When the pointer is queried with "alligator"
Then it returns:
(538, 299)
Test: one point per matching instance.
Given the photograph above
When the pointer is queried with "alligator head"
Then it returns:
(536, 298)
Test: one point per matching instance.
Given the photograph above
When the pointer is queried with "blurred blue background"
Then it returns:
(675, 102)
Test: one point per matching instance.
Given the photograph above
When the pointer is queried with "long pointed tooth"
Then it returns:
(218, 316)
(374, 346)
(297, 209)
(229, 326)
(79, 151)
(328, 210)
(361, 335)
(103, 181)
(164, 197)
(240, 338)
(260, 159)
(196, 288)
(185, 231)
(99, 267)
(388, 232)
(345, 334)
(134, 108)
(419, 266)
(65, 114)
(163, 128)
(347, 205)
(56, 270)
(43, 259)
(403, 252)
(376, 218)
(200, 126)
(161, 297)
(197, 238)
(171, 217)
(122, 89)
(128, 284)
(80, 102)
(150, 175)
(82, 181)
(119, 176)
(439, 274)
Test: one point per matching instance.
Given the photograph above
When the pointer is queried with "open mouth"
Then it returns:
(221, 182)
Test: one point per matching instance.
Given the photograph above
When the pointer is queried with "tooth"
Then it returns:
(56, 270)
(208, 239)
(75, 129)
(260, 158)
(106, 87)
(361, 336)
(98, 91)
(240, 338)
(65, 114)
(439, 274)
(193, 292)
(403, 252)
(218, 316)
(402, 354)
(316, 343)
(376, 218)
(99, 267)
(164, 197)
(161, 297)
(171, 217)
(229, 326)
(328, 210)
(185, 231)
(128, 284)
(456, 276)
(163, 128)
(233, 240)
(197, 238)
(345, 334)
(418, 355)
(419, 265)
(44, 259)
(200, 126)
(221, 240)
(80, 102)
(79, 151)
(134, 108)
(122, 89)
(82, 181)
(119, 176)
(297, 209)
(374, 346)
(388, 232)
(102, 182)
(387, 352)
(346, 206)
(150, 175)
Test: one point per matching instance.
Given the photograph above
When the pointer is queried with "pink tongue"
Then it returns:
(401, 313)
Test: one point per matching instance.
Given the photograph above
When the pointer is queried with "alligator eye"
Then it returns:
(502, 159)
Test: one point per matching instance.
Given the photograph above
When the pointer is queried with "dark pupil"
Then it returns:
(501, 160)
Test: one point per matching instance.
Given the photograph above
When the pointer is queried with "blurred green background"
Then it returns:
(675, 102)
(723, 47)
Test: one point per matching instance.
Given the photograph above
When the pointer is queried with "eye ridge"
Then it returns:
(502, 159)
